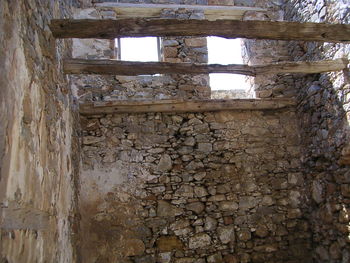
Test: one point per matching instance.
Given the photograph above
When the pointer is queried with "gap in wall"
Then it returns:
(143, 49)
(226, 51)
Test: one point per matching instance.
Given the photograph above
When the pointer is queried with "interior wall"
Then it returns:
(39, 157)
(194, 188)
(324, 118)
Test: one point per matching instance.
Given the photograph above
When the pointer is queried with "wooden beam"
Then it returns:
(138, 27)
(125, 10)
(183, 105)
(128, 68)
(304, 67)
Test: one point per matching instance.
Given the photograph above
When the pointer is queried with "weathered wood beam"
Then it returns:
(220, 8)
(183, 105)
(141, 27)
(128, 68)
(124, 10)
(304, 67)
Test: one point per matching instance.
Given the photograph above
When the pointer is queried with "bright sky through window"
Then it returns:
(139, 49)
(225, 51)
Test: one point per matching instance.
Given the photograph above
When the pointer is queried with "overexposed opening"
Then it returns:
(226, 51)
(144, 49)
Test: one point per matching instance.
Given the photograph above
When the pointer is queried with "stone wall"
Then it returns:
(39, 158)
(324, 116)
(193, 188)
(262, 52)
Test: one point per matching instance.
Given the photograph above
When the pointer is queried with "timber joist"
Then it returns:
(142, 27)
(172, 106)
(211, 12)
(128, 68)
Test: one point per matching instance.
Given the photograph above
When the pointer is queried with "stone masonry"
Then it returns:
(212, 187)
(266, 186)
(324, 118)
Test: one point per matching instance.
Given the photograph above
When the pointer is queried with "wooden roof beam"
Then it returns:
(124, 10)
(141, 27)
(128, 68)
(92, 108)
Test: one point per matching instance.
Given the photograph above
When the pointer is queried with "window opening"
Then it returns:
(225, 51)
(143, 49)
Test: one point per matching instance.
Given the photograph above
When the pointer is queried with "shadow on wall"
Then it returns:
(325, 129)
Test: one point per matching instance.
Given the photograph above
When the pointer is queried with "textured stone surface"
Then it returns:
(39, 157)
(169, 243)
(324, 118)
(229, 197)
(199, 241)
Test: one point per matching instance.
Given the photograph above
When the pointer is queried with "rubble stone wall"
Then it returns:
(324, 118)
(193, 188)
(39, 157)
(262, 52)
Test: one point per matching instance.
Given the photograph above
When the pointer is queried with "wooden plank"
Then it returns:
(304, 67)
(128, 68)
(125, 10)
(221, 8)
(183, 105)
(141, 27)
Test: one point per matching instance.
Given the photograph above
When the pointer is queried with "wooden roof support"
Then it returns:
(141, 27)
(183, 105)
(128, 68)
(124, 10)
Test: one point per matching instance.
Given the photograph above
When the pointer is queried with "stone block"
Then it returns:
(196, 42)
(200, 240)
(196, 207)
(170, 52)
(164, 209)
(226, 234)
(165, 163)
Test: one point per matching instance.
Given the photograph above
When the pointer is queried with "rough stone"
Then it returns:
(216, 258)
(196, 42)
(165, 163)
(196, 207)
(317, 191)
(205, 147)
(210, 224)
(244, 235)
(200, 240)
(226, 234)
(228, 206)
(200, 191)
(133, 247)
(164, 209)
